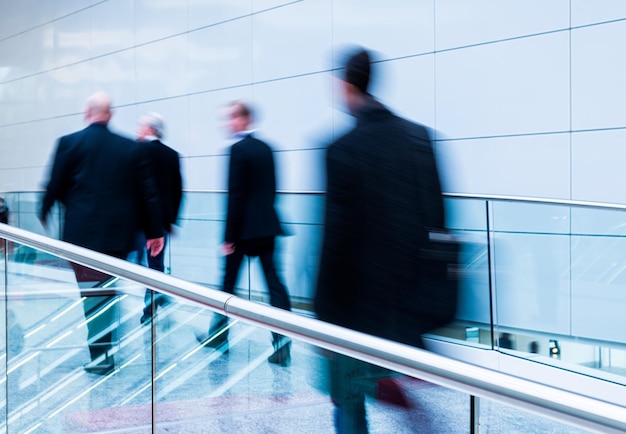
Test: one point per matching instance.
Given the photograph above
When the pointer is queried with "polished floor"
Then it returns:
(197, 389)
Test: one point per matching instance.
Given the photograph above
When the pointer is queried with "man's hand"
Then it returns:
(155, 245)
(228, 248)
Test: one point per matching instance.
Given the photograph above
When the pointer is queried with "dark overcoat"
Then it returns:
(383, 195)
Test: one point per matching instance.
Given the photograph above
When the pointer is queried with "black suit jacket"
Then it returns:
(166, 166)
(251, 192)
(103, 181)
(383, 193)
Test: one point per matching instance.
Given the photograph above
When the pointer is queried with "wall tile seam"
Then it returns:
(530, 134)
(425, 53)
(160, 39)
(225, 154)
(54, 20)
(438, 140)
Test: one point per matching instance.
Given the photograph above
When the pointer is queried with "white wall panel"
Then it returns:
(220, 56)
(156, 19)
(407, 86)
(295, 113)
(38, 94)
(261, 5)
(395, 28)
(72, 39)
(513, 87)
(461, 23)
(22, 16)
(11, 95)
(112, 26)
(31, 52)
(536, 166)
(26, 152)
(206, 13)
(585, 12)
(72, 86)
(206, 173)
(52, 10)
(598, 71)
(115, 74)
(598, 166)
(292, 40)
(162, 69)
(300, 170)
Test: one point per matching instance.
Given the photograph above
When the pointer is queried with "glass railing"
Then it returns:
(546, 281)
(542, 279)
(76, 359)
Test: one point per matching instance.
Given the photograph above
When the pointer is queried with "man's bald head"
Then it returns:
(98, 108)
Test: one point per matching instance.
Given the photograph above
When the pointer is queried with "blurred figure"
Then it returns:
(533, 347)
(251, 224)
(103, 181)
(166, 166)
(383, 196)
(505, 341)
(4, 212)
(4, 218)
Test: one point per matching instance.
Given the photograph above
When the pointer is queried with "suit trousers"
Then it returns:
(151, 299)
(264, 249)
(101, 317)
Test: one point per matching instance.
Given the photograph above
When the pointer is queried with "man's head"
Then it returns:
(356, 78)
(98, 108)
(238, 117)
(150, 125)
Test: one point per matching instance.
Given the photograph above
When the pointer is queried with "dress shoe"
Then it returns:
(99, 368)
(282, 354)
(219, 342)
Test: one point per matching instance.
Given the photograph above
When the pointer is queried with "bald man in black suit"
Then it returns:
(106, 185)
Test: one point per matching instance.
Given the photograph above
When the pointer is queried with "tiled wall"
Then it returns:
(526, 97)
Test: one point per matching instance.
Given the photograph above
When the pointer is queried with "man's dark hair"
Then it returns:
(358, 70)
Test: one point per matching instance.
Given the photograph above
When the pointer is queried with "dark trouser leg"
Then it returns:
(231, 272)
(278, 298)
(278, 292)
(347, 394)
(153, 299)
(102, 329)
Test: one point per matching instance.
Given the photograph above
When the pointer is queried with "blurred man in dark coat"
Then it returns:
(251, 222)
(383, 195)
(166, 165)
(105, 184)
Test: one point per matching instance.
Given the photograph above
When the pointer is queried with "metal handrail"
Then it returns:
(537, 200)
(565, 406)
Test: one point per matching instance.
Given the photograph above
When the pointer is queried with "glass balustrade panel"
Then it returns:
(77, 353)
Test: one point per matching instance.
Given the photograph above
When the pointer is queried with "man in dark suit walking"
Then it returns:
(105, 184)
(383, 195)
(251, 223)
(166, 165)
